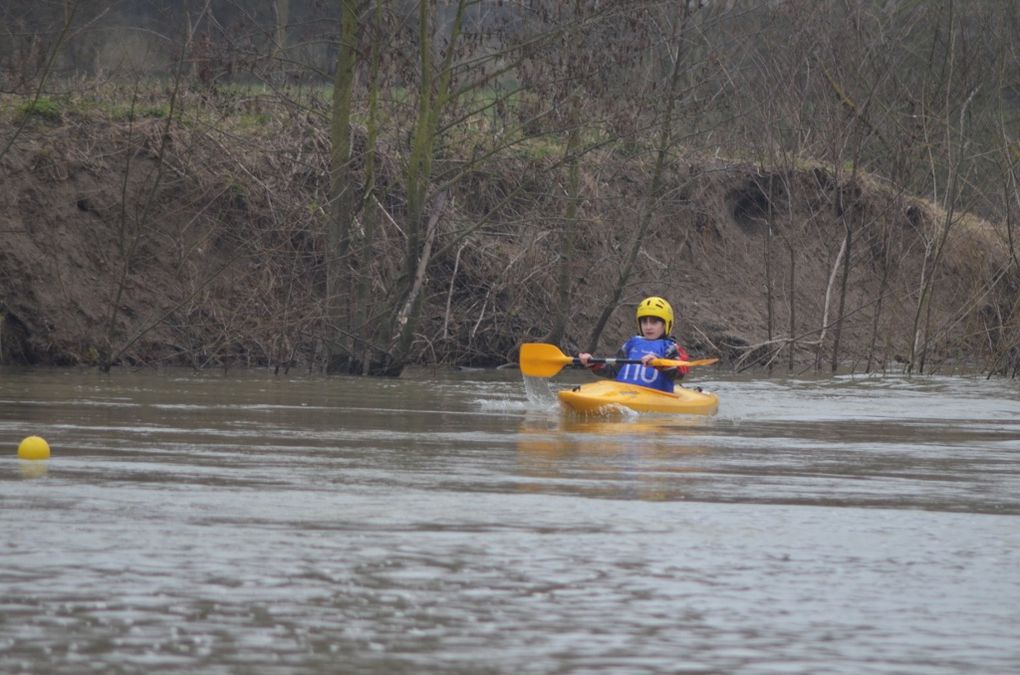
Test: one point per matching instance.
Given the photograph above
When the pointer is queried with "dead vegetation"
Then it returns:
(356, 188)
(226, 267)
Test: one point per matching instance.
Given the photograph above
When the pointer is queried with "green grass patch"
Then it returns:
(540, 149)
(254, 120)
(43, 109)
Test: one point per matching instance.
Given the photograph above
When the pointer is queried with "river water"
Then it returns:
(458, 522)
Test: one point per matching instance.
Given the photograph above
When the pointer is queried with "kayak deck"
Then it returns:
(604, 394)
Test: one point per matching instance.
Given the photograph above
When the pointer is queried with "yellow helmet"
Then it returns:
(657, 307)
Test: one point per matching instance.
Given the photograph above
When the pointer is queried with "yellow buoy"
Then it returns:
(34, 447)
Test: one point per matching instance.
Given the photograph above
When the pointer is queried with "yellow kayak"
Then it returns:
(594, 396)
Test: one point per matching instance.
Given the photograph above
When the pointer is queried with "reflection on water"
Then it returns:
(462, 523)
(33, 468)
(639, 457)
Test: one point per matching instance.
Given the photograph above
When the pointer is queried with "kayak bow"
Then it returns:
(605, 394)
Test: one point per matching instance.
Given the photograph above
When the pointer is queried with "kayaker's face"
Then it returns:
(652, 327)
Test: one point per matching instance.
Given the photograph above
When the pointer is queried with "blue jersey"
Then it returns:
(635, 373)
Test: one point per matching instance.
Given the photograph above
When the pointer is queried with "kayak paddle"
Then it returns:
(539, 359)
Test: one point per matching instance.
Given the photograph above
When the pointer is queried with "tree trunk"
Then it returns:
(281, 8)
(793, 306)
(568, 228)
(844, 279)
(364, 321)
(434, 96)
(769, 300)
(663, 147)
(341, 196)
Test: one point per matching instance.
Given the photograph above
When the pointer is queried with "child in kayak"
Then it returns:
(653, 341)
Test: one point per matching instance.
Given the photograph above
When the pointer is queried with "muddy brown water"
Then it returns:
(460, 523)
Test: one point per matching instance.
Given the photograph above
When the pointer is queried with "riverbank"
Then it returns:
(198, 239)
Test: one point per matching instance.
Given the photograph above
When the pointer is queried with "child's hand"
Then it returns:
(584, 357)
(647, 359)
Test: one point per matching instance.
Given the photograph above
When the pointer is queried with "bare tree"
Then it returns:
(663, 149)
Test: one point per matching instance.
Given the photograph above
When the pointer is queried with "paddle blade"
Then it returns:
(670, 363)
(699, 362)
(542, 360)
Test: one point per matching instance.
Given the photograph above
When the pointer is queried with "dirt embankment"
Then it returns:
(207, 249)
